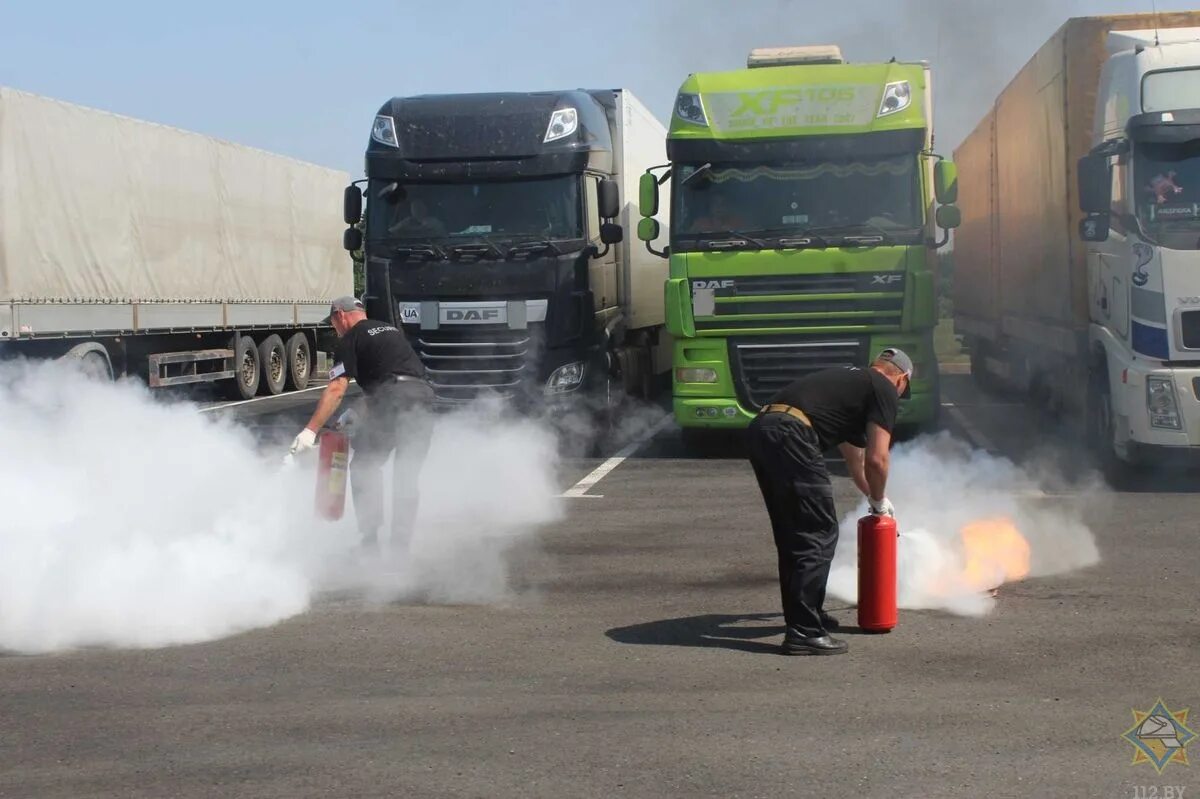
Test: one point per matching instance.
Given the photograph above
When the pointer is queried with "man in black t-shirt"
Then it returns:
(398, 399)
(855, 410)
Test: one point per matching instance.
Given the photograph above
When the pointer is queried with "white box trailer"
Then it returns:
(144, 249)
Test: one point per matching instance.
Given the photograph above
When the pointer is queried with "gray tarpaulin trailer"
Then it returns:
(146, 250)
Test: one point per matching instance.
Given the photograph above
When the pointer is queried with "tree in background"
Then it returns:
(359, 261)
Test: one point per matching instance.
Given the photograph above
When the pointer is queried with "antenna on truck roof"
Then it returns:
(1154, 6)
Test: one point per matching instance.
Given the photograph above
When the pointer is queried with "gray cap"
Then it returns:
(346, 303)
(900, 359)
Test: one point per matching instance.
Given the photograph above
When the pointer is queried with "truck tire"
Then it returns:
(299, 362)
(246, 369)
(272, 357)
(1101, 433)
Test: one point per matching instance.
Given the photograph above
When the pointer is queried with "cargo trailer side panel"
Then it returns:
(643, 145)
(99, 208)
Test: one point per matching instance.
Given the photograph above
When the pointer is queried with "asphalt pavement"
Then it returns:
(638, 658)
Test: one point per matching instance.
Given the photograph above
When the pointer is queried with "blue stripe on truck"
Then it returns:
(1150, 341)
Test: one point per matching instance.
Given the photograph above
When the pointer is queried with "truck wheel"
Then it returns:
(273, 358)
(246, 369)
(299, 362)
(1102, 431)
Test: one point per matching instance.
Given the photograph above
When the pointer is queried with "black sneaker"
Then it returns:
(794, 644)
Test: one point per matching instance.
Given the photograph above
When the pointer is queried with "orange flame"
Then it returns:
(995, 553)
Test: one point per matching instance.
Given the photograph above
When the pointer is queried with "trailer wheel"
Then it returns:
(246, 369)
(299, 362)
(273, 358)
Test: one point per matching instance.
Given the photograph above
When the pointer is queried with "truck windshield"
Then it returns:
(1167, 179)
(496, 211)
(787, 199)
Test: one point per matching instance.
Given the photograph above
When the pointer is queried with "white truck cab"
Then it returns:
(1140, 190)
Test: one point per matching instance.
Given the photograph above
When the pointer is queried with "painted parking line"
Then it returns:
(580, 489)
(222, 406)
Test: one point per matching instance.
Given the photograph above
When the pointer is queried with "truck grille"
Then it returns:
(756, 295)
(465, 364)
(763, 365)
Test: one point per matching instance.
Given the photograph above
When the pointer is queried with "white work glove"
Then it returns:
(881, 508)
(306, 440)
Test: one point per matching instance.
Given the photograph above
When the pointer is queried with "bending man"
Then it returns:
(398, 401)
(855, 410)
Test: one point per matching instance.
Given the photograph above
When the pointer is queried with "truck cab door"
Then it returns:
(602, 271)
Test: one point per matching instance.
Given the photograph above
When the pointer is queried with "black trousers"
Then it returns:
(397, 418)
(790, 467)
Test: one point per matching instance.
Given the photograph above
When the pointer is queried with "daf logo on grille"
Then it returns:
(885, 279)
(712, 284)
(472, 315)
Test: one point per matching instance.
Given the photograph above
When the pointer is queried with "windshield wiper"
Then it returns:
(730, 243)
(528, 248)
(699, 170)
(479, 249)
(822, 236)
(424, 248)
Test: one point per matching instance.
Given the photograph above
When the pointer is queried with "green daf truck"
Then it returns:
(803, 229)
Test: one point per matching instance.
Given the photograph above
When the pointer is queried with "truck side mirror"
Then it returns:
(1094, 227)
(647, 199)
(648, 229)
(1095, 185)
(611, 233)
(352, 205)
(352, 239)
(948, 216)
(609, 196)
(945, 182)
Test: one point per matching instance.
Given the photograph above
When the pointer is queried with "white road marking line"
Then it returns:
(579, 490)
(973, 433)
(225, 405)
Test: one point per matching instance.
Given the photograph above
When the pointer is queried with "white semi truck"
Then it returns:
(1077, 267)
(138, 249)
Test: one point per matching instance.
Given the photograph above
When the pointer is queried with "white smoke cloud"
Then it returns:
(939, 485)
(131, 522)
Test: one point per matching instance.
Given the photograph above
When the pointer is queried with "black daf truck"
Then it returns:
(493, 236)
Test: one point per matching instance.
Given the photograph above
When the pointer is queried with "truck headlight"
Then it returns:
(563, 123)
(1162, 403)
(384, 131)
(689, 108)
(565, 378)
(896, 97)
(689, 374)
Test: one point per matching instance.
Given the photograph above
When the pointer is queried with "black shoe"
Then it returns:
(794, 644)
(829, 622)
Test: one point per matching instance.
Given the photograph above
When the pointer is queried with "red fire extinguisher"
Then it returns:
(332, 465)
(877, 573)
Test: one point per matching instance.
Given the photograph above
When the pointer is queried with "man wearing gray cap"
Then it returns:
(398, 398)
(855, 410)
